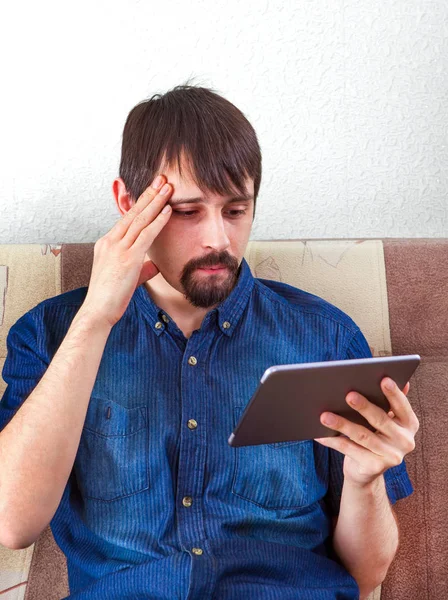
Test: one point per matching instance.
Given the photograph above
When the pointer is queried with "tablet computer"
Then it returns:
(289, 399)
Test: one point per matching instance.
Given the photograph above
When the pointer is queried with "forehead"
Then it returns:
(185, 185)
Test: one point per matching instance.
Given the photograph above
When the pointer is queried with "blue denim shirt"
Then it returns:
(158, 505)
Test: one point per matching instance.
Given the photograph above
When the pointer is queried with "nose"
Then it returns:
(214, 233)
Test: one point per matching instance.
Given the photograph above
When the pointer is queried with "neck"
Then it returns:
(186, 316)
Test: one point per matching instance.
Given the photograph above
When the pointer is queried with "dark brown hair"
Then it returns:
(193, 123)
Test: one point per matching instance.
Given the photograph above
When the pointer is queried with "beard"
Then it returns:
(205, 291)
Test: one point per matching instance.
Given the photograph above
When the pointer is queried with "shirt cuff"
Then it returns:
(398, 484)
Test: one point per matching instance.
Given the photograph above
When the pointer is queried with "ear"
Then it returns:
(123, 199)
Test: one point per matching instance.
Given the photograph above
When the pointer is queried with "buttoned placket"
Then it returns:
(193, 438)
(194, 398)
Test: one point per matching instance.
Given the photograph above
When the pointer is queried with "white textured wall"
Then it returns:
(349, 99)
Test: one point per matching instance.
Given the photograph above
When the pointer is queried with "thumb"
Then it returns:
(149, 270)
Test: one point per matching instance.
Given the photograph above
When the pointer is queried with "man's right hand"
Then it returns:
(118, 263)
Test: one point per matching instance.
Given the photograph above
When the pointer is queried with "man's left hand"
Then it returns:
(368, 454)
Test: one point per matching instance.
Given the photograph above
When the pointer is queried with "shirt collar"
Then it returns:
(229, 311)
(150, 309)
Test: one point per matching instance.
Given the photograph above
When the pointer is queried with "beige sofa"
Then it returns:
(395, 290)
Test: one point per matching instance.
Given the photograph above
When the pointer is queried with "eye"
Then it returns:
(185, 213)
(237, 213)
(233, 214)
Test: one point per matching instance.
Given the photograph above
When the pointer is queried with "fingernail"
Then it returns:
(157, 182)
(166, 209)
(165, 189)
(353, 399)
(389, 384)
(330, 419)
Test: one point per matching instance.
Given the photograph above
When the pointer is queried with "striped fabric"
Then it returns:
(374, 282)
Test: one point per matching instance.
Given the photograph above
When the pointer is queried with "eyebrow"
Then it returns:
(202, 199)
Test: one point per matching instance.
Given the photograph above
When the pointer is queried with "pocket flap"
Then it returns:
(106, 417)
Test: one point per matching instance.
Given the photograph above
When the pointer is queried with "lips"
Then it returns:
(213, 268)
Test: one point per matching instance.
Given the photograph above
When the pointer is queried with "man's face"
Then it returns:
(200, 249)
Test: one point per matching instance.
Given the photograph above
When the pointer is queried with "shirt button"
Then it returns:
(192, 360)
(165, 319)
(192, 424)
(226, 325)
(158, 325)
(197, 551)
(187, 501)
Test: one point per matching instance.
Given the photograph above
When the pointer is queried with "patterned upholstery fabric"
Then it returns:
(395, 290)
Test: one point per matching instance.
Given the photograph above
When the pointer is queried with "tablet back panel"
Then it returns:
(290, 398)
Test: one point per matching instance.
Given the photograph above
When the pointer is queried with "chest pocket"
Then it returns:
(276, 476)
(112, 458)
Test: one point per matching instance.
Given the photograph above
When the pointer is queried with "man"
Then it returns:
(133, 385)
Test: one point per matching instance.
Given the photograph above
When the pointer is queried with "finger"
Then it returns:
(406, 388)
(151, 231)
(120, 228)
(390, 432)
(374, 415)
(370, 461)
(357, 433)
(149, 270)
(147, 215)
(400, 405)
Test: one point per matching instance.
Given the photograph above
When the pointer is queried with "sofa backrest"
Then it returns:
(395, 290)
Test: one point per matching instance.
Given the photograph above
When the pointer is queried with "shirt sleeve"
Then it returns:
(24, 365)
(398, 484)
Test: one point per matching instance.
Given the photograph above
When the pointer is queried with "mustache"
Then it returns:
(212, 259)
